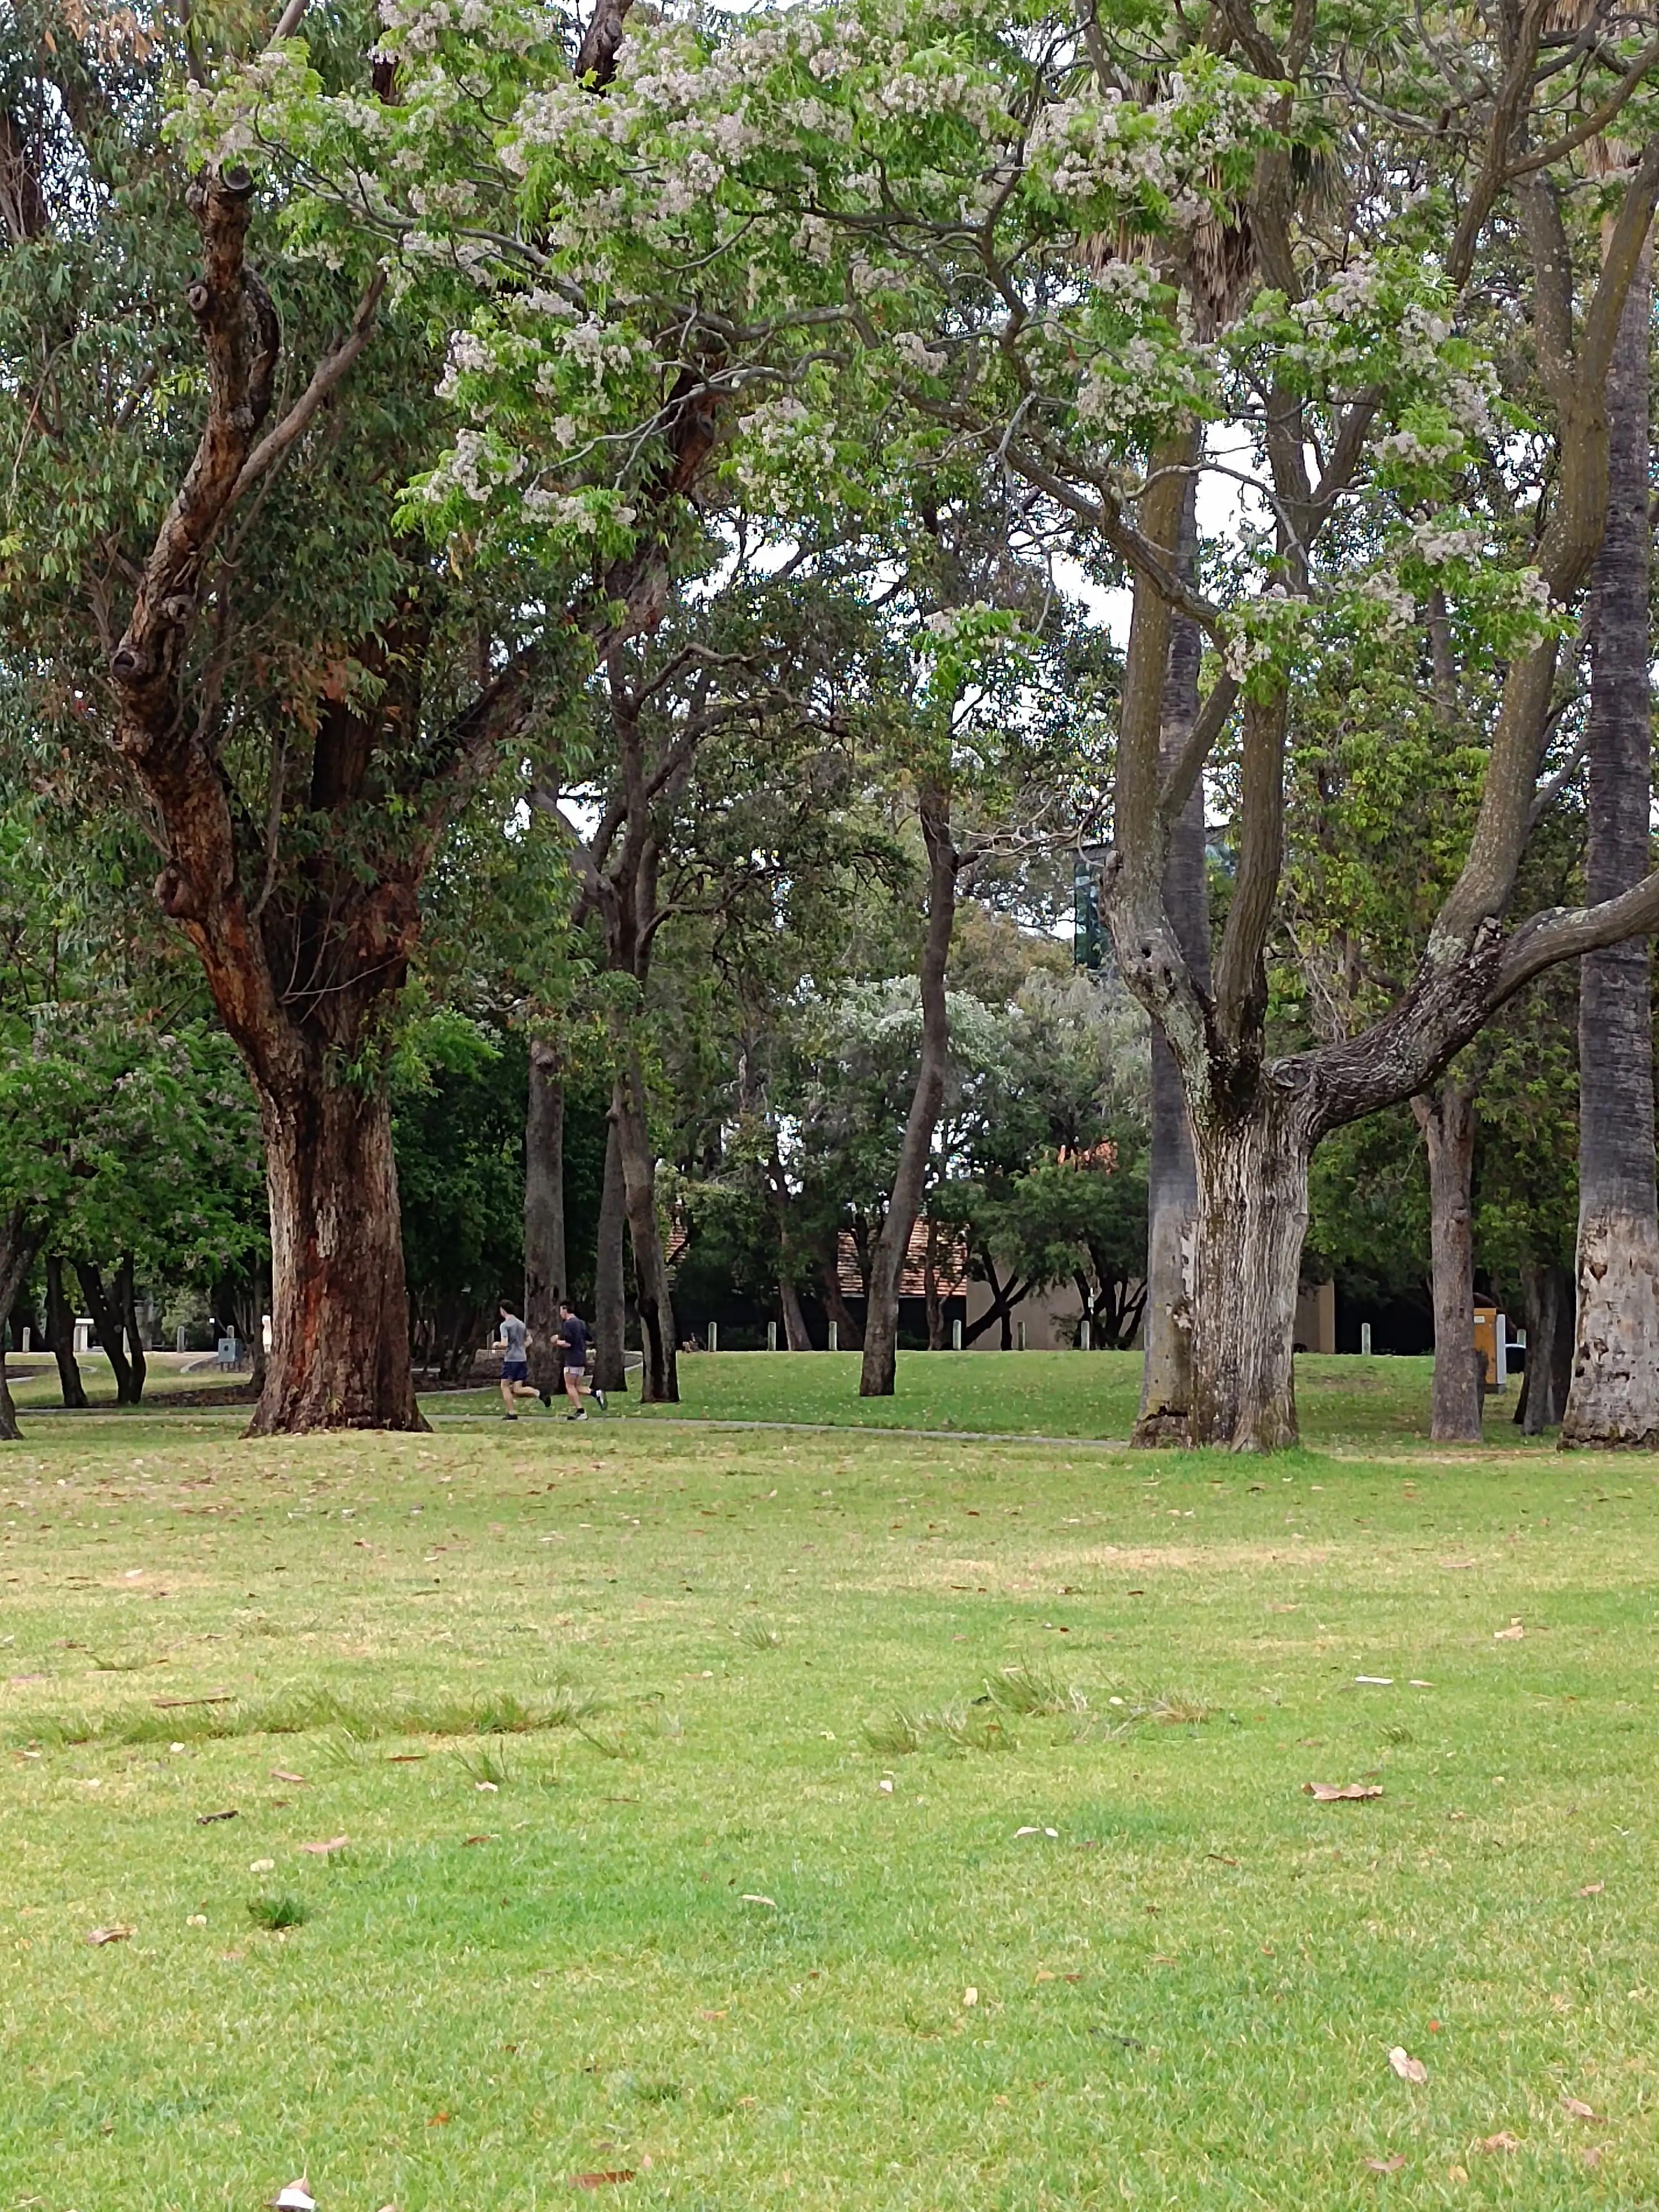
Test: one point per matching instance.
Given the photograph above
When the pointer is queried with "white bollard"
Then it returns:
(1084, 1342)
(955, 1335)
(713, 1336)
(771, 1336)
(1365, 1339)
(835, 1336)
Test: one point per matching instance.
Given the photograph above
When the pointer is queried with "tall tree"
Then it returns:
(1614, 1395)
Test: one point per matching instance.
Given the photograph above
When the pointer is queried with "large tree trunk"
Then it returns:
(609, 1299)
(18, 1243)
(1172, 1175)
(111, 1324)
(339, 1354)
(1247, 1262)
(1546, 1311)
(60, 1328)
(796, 1335)
(1446, 1117)
(545, 1282)
(126, 1298)
(934, 1304)
(887, 1261)
(1615, 1395)
(659, 1381)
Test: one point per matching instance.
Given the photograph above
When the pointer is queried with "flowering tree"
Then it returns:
(888, 238)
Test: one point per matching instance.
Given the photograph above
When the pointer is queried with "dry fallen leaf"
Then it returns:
(281, 1774)
(1408, 2068)
(754, 1897)
(1576, 2109)
(260, 1865)
(197, 1920)
(1457, 2173)
(477, 1840)
(1501, 2141)
(1327, 1792)
(296, 2197)
(326, 1850)
(1387, 2165)
(1512, 1634)
(1591, 2154)
(1592, 1889)
(598, 2180)
(970, 1997)
(96, 1935)
(207, 1819)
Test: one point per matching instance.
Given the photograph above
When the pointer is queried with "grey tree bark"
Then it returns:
(1446, 1117)
(849, 1335)
(1546, 1304)
(610, 1302)
(546, 1280)
(60, 1328)
(126, 1299)
(111, 1324)
(887, 1260)
(659, 1381)
(1172, 1173)
(18, 1243)
(1615, 1395)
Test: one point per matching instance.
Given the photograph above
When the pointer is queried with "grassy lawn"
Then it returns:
(33, 1378)
(681, 1845)
(1056, 1394)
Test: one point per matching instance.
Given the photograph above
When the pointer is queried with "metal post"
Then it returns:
(835, 1336)
(1365, 1339)
(956, 1334)
(1501, 1345)
(1019, 1336)
(713, 1336)
(1083, 1337)
(771, 1336)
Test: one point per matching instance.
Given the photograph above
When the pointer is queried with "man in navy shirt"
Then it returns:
(572, 1340)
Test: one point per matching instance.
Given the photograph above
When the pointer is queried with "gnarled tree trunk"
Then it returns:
(1614, 1395)
(339, 1350)
(1172, 1174)
(545, 1277)
(797, 1336)
(659, 1381)
(610, 1297)
(880, 1365)
(1247, 1262)
(1446, 1117)
(60, 1328)
(126, 1304)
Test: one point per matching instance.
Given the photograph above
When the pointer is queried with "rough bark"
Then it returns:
(1615, 1395)
(931, 1301)
(797, 1336)
(879, 1367)
(1252, 1217)
(1171, 1173)
(18, 1245)
(1446, 1117)
(60, 1328)
(339, 1351)
(545, 1273)
(660, 1383)
(1547, 1308)
(110, 1324)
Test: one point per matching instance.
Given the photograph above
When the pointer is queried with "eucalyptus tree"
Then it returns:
(861, 240)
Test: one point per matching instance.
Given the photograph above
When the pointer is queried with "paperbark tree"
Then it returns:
(1614, 1395)
(610, 1307)
(545, 1270)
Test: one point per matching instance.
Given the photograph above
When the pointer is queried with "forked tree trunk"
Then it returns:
(60, 1328)
(18, 1243)
(1247, 1252)
(880, 1366)
(339, 1353)
(545, 1275)
(1614, 1395)
(659, 1382)
(1446, 1117)
(111, 1324)
(1547, 1318)
(609, 1299)
(1172, 1176)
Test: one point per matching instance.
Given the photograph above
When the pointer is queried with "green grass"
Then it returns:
(682, 1775)
(1056, 1394)
(33, 1379)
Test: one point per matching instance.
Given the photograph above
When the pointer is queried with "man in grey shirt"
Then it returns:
(512, 1344)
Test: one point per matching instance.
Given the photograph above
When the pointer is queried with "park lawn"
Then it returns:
(1101, 1954)
(1380, 1401)
(33, 1378)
